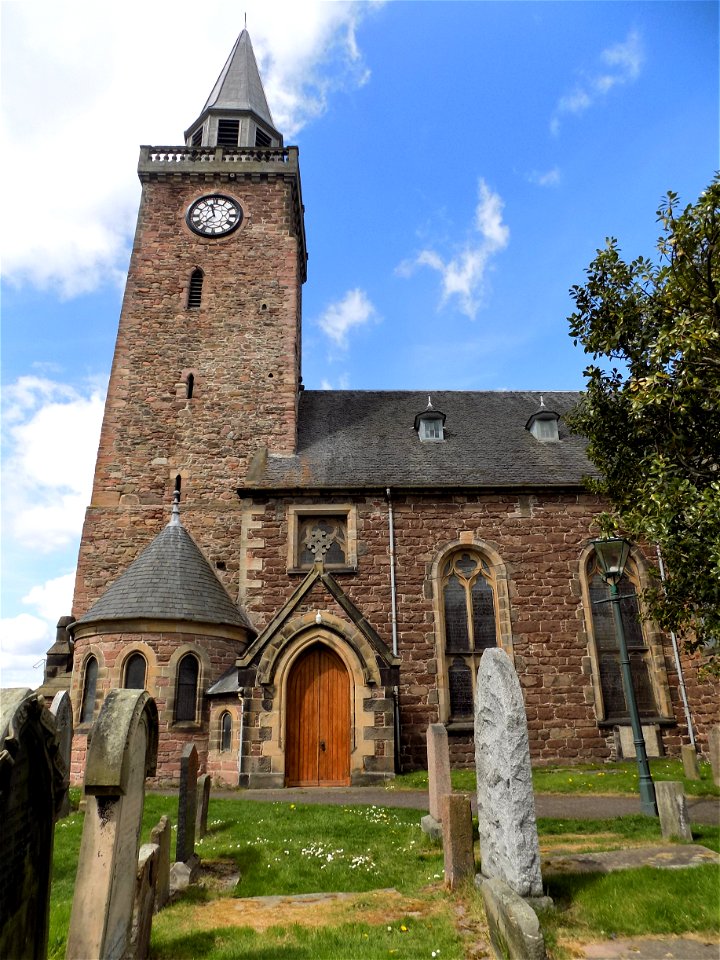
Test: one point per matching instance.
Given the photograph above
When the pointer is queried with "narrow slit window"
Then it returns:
(225, 731)
(195, 291)
(178, 486)
(190, 382)
(89, 689)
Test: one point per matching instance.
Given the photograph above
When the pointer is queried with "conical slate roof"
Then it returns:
(170, 580)
(239, 86)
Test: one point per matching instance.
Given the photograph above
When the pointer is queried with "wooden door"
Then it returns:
(317, 739)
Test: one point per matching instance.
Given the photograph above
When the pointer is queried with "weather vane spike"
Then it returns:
(246, 19)
(542, 402)
(429, 406)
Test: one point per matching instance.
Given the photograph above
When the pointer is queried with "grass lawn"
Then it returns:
(620, 778)
(388, 875)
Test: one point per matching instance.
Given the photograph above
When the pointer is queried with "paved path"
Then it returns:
(557, 805)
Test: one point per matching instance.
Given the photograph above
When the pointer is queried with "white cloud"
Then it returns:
(50, 439)
(548, 178)
(354, 310)
(623, 62)
(463, 275)
(83, 87)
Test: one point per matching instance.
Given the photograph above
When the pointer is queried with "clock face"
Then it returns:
(214, 216)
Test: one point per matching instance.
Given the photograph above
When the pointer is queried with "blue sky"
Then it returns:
(461, 163)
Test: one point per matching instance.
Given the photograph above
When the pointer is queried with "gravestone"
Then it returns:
(122, 753)
(144, 902)
(187, 805)
(509, 848)
(203, 794)
(673, 811)
(61, 709)
(438, 757)
(714, 750)
(160, 835)
(457, 839)
(515, 932)
(32, 785)
(690, 762)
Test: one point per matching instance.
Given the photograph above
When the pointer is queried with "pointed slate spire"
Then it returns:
(169, 580)
(236, 113)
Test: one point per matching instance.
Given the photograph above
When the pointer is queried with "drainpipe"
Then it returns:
(678, 665)
(242, 724)
(393, 619)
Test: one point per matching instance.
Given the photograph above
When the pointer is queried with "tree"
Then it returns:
(651, 412)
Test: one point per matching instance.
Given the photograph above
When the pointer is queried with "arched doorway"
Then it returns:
(317, 739)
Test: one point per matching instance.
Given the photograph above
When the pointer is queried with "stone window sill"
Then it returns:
(460, 726)
(644, 721)
(328, 568)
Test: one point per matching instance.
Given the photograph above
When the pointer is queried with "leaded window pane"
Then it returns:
(461, 693)
(457, 636)
(90, 688)
(135, 672)
(187, 688)
(483, 607)
(226, 732)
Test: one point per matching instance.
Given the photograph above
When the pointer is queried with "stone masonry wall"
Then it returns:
(162, 652)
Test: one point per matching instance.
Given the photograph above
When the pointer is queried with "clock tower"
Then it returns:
(206, 371)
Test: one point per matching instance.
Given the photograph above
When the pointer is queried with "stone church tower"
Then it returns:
(336, 562)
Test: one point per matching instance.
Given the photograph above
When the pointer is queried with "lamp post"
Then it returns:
(612, 554)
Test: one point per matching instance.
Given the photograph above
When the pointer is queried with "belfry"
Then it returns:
(304, 580)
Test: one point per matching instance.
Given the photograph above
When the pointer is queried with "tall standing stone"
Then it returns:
(714, 750)
(61, 709)
(145, 889)
(187, 805)
(690, 762)
(438, 759)
(32, 785)
(204, 786)
(160, 836)
(122, 753)
(509, 848)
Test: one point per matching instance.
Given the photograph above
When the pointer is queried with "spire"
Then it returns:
(236, 113)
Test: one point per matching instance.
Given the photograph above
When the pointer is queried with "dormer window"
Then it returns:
(430, 424)
(543, 424)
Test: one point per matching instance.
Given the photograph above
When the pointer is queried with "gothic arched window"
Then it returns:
(607, 650)
(225, 731)
(87, 708)
(135, 671)
(469, 609)
(187, 684)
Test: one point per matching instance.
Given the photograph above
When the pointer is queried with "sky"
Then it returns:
(461, 163)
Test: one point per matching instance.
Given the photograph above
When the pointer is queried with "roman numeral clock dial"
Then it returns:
(214, 216)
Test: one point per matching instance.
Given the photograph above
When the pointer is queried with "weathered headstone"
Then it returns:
(32, 784)
(204, 785)
(187, 806)
(144, 902)
(509, 846)
(456, 819)
(672, 810)
(122, 753)
(61, 709)
(438, 757)
(714, 751)
(690, 762)
(160, 835)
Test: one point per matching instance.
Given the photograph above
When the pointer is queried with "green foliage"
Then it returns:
(652, 407)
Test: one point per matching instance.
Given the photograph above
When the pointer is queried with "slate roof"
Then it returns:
(366, 439)
(227, 683)
(169, 580)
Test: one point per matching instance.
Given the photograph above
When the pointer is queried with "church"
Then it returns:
(304, 580)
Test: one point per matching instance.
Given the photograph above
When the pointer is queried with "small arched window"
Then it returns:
(190, 385)
(225, 731)
(607, 650)
(87, 708)
(195, 289)
(468, 603)
(187, 683)
(135, 671)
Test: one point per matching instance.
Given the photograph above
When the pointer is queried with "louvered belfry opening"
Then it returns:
(261, 138)
(195, 291)
(228, 133)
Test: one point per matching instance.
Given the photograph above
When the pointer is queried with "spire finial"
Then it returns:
(175, 515)
(542, 402)
(429, 406)
(246, 19)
